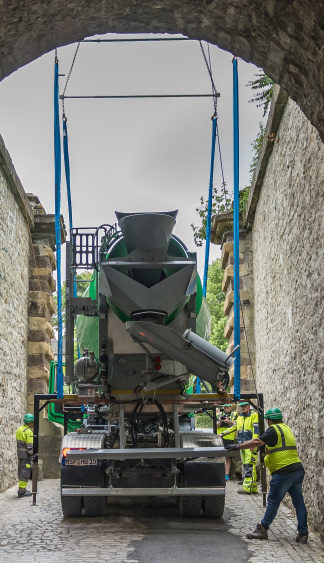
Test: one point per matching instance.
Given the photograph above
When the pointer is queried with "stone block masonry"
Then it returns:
(222, 234)
(40, 333)
(15, 215)
(27, 242)
(41, 306)
(282, 249)
(288, 235)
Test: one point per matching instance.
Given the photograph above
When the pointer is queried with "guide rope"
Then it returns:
(67, 165)
(215, 135)
(68, 78)
(215, 97)
(57, 160)
(210, 204)
(209, 69)
(249, 353)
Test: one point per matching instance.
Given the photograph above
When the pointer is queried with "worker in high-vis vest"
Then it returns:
(226, 419)
(24, 437)
(247, 426)
(287, 474)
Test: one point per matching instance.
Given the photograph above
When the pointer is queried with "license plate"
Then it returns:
(80, 462)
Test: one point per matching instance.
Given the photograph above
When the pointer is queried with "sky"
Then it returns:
(129, 155)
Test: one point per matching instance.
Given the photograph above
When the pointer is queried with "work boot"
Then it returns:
(301, 538)
(24, 493)
(240, 482)
(244, 492)
(260, 533)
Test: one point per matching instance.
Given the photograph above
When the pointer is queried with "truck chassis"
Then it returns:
(142, 325)
(190, 471)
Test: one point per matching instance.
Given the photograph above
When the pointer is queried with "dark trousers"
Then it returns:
(24, 470)
(280, 484)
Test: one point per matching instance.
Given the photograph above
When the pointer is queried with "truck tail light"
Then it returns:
(65, 450)
(157, 363)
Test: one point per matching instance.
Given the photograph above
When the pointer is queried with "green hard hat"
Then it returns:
(28, 418)
(274, 414)
(242, 403)
(227, 405)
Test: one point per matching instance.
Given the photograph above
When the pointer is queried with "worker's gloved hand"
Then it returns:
(232, 447)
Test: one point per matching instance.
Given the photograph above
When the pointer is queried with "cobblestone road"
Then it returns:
(281, 545)
(40, 534)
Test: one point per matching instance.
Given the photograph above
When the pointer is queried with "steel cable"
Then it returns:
(68, 78)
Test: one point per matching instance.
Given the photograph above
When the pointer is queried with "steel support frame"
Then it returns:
(37, 410)
(176, 426)
(122, 429)
(139, 96)
(137, 491)
(136, 40)
(150, 453)
(168, 453)
(72, 303)
(262, 453)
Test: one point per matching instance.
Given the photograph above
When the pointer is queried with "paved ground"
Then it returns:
(144, 532)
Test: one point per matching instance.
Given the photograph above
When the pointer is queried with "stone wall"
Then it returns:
(40, 333)
(14, 279)
(284, 224)
(41, 305)
(285, 38)
(288, 235)
(222, 234)
(27, 242)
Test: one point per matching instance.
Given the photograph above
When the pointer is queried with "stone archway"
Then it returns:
(284, 37)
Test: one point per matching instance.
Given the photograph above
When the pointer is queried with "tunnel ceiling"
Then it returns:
(284, 37)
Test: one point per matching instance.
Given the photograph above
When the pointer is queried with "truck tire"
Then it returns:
(190, 507)
(94, 506)
(213, 506)
(71, 506)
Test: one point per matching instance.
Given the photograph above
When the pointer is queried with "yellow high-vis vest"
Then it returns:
(24, 437)
(285, 451)
(247, 427)
(232, 416)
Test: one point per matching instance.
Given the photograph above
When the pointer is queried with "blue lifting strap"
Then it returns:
(67, 169)
(57, 157)
(236, 227)
(210, 203)
(68, 188)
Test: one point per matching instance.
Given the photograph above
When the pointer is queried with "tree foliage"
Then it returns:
(215, 297)
(256, 146)
(220, 205)
(203, 421)
(263, 88)
(63, 301)
(81, 286)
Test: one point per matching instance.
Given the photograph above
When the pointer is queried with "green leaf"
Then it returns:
(215, 297)
(264, 91)
(220, 204)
